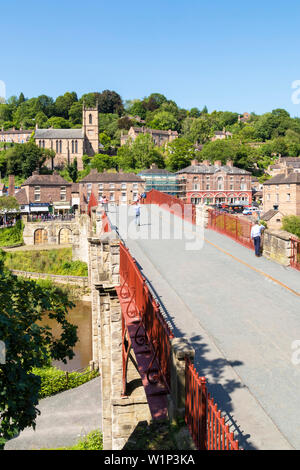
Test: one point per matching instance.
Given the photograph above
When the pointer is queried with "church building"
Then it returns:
(69, 144)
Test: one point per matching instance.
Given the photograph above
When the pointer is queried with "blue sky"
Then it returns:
(237, 56)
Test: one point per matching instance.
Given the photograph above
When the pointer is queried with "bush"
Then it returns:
(291, 223)
(12, 235)
(54, 381)
(92, 441)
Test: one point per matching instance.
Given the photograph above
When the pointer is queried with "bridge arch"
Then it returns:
(40, 236)
(65, 236)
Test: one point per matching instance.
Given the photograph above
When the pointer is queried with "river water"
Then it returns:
(81, 316)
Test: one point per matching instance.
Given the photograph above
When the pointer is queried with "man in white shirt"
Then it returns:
(256, 231)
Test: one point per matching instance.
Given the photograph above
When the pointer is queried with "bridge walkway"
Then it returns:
(241, 313)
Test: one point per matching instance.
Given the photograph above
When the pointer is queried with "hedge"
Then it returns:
(54, 381)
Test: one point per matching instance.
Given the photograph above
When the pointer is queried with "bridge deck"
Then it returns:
(242, 315)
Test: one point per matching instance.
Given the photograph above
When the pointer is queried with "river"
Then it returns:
(81, 316)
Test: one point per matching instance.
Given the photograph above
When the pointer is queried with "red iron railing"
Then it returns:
(233, 226)
(106, 227)
(295, 259)
(152, 329)
(204, 420)
(172, 204)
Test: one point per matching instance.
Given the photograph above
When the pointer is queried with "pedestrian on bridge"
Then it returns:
(256, 232)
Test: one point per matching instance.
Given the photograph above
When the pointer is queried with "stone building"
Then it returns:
(282, 163)
(40, 194)
(221, 135)
(217, 183)
(15, 136)
(69, 144)
(159, 137)
(282, 193)
(119, 188)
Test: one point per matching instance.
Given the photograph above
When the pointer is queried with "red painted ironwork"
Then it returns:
(143, 327)
(172, 204)
(295, 258)
(204, 420)
(233, 226)
(106, 227)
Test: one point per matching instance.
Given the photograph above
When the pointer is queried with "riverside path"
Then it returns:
(241, 313)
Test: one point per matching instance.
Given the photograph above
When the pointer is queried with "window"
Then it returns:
(220, 183)
(37, 193)
(111, 197)
(231, 183)
(57, 148)
(135, 186)
(196, 187)
(288, 186)
(124, 197)
(88, 191)
(243, 184)
(288, 197)
(63, 193)
(100, 187)
(73, 148)
(90, 119)
(100, 196)
(123, 186)
(60, 146)
(135, 196)
(112, 186)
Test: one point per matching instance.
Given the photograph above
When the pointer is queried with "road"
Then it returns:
(65, 418)
(241, 313)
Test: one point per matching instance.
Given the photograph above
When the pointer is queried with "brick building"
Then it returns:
(217, 183)
(159, 137)
(282, 193)
(119, 188)
(45, 193)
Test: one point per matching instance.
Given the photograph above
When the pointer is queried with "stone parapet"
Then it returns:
(277, 246)
(202, 212)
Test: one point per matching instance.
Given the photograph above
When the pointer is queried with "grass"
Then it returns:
(92, 441)
(160, 436)
(11, 235)
(57, 262)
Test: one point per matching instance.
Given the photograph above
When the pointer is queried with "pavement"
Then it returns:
(64, 418)
(241, 313)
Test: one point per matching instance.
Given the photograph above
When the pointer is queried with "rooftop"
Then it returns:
(283, 178)
(95, 177)
(45, 180)
(212, 169)
(59, 134)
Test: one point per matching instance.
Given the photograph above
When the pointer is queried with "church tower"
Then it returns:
(90, 120)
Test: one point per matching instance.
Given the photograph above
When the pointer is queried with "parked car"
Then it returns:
(250, 210)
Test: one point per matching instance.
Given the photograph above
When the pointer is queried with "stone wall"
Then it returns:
(122, 414)
(277, 246)
(71, 280)
(202, 211)
(52, 229)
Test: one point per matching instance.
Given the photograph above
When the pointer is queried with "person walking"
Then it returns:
(256, 232)
(137, 214)
(105, 203)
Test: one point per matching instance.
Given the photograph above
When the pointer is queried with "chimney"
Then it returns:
(11, 185)
(218, 163)
(153, 165)
(194, 162)
(206, 162)
(229, 163)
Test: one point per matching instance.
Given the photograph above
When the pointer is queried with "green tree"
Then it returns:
(72, 170)
(28, 344)
(180, 152)
(8, 203)
(23, 159)
(164, 120)
(291, 223)
(64, 103)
